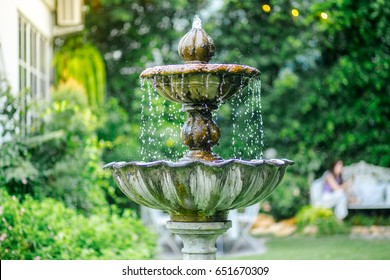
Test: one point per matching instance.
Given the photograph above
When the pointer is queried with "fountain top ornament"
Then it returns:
(201, 187)
(196, 46)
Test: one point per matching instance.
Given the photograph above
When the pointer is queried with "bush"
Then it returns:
(323, 219)
(17, 172)
(62, 159)
(46, 229)
(361, 219)
(288, 197)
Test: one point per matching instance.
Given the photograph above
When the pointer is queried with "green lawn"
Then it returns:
(340, 247)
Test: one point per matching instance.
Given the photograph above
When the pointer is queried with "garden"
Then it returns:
(325, 67)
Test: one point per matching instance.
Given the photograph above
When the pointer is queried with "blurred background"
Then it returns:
(71, 100)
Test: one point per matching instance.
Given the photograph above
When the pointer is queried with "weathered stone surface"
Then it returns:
(199, 83)
(199, 238)
(196, 46)
(198, 191)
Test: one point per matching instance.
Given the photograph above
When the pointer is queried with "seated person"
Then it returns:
(335, 190)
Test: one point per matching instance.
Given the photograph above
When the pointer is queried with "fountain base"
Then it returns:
(199, 238)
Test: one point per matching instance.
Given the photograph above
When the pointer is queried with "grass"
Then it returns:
(340, 247)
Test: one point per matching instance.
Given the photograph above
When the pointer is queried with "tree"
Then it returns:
(324, 76)
(322, 63)
(82, 62)
(133, 35)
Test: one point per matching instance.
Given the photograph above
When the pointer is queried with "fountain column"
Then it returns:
(200, 133)
(199, 238)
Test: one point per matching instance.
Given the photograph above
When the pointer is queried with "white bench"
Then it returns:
(156, 220)
(239, 234)
(371, 186)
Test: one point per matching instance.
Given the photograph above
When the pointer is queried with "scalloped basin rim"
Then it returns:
(198, 190)
(275, 162)
(199, 68)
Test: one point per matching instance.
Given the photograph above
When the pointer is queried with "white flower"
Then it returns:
(3, 237)
(296, 192)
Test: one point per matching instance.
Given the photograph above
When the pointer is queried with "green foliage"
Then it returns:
(63, 160)
(115, 120)
(290, 196)
(9, 111)
(17, 172)
(70, 164)
(71, 91)
(323, 219)
(369, 220)
(324, 81)
(46, 229)
(132, 34)
(83, 63)
(355, 50)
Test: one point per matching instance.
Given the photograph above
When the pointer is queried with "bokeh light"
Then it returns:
(295, 12)
(266, 8)
(324, 15)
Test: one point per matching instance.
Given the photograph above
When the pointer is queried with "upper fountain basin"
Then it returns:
(198, 191)
(199, 83)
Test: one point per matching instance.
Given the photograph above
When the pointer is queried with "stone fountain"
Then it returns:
(199, 190)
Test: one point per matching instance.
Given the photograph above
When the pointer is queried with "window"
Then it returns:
(34, 52)
(69, 12)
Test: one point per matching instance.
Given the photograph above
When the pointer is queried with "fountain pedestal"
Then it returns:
(199, 238)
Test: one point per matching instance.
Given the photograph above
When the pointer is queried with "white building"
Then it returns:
(27, 31)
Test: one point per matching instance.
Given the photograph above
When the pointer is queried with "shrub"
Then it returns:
(377, 219)
(83, 63)
(323, 219)
(17, 172)
(46, 229)
(10, 111)
(70, 165)
(288, 197)
(62, 159)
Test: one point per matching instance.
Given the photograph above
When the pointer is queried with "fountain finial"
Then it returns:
(197, 23)
(196, 46)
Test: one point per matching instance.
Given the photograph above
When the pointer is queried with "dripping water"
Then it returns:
(161, 123)
(143, 121)
(246, 131)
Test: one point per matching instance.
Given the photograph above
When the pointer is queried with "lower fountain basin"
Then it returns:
(198, 191)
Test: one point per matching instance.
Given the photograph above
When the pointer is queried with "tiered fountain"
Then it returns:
(199, 190)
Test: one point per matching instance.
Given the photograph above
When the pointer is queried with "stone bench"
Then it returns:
(371, 186)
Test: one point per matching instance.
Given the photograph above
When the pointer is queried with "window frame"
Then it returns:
(33, 70)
